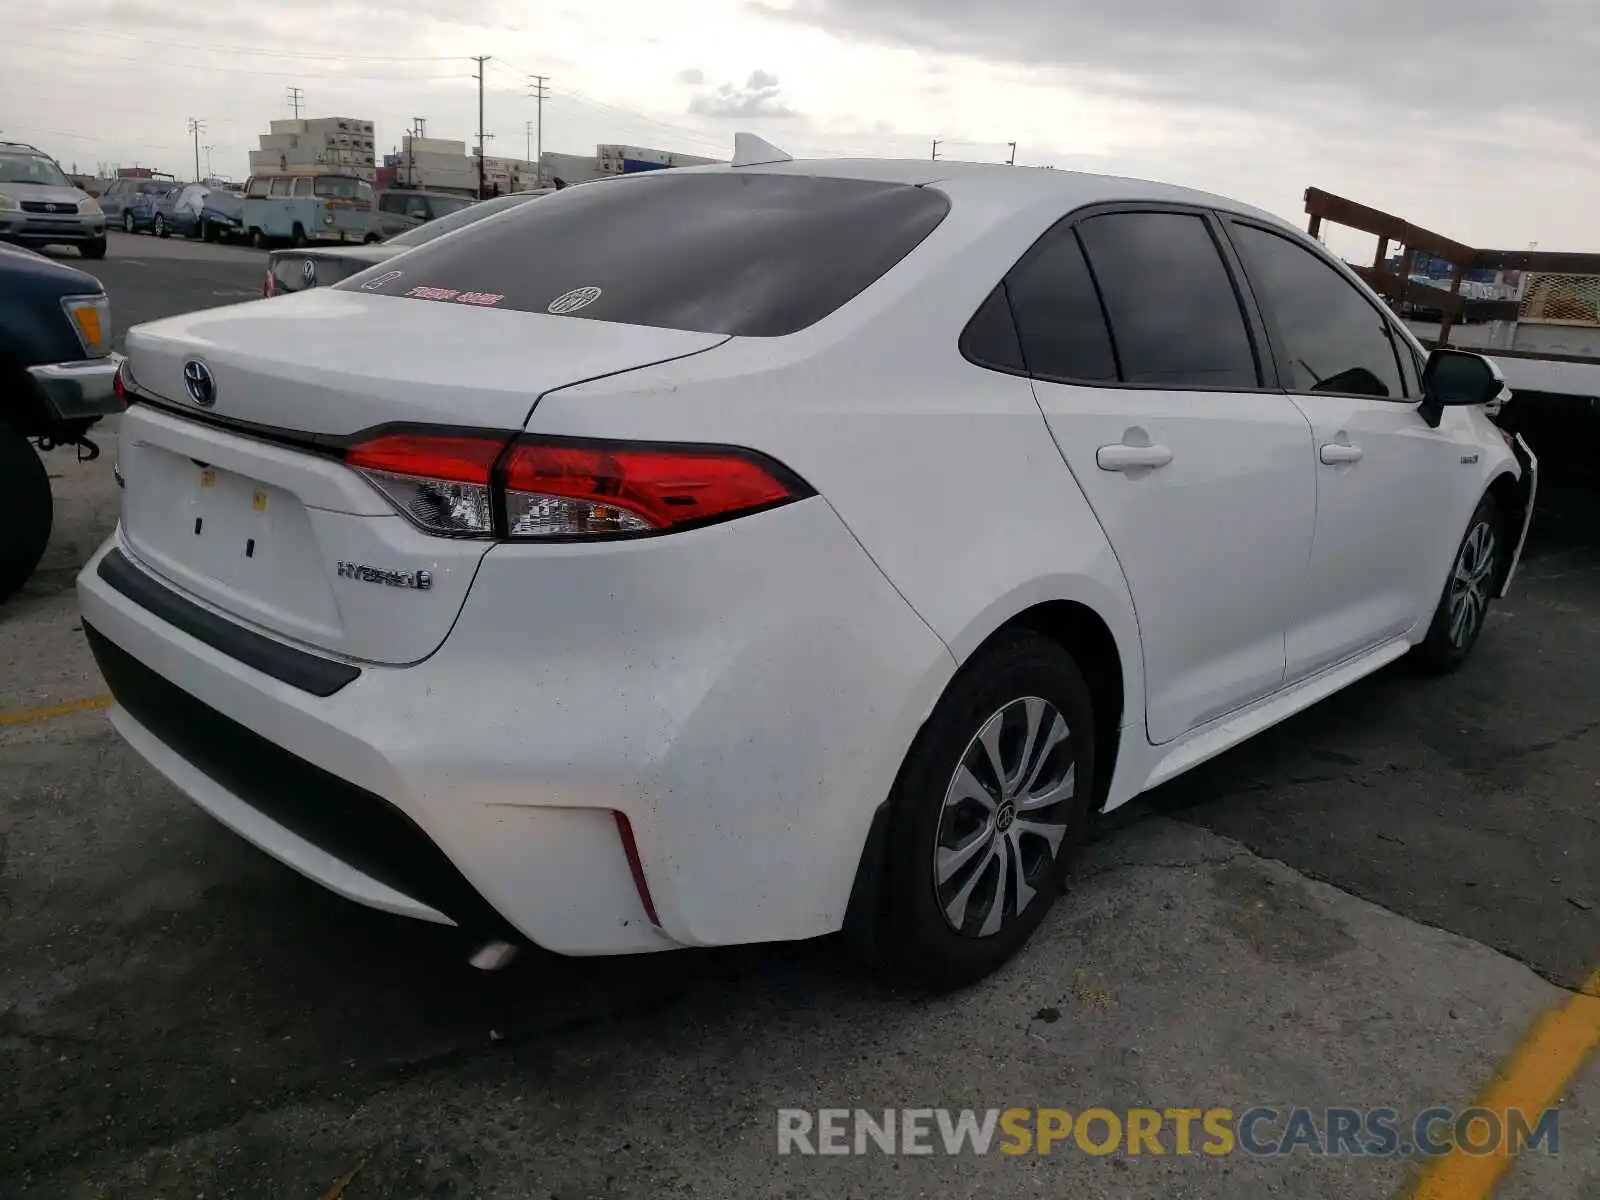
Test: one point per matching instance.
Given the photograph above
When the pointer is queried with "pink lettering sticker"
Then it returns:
(485, 299)
(433, 293)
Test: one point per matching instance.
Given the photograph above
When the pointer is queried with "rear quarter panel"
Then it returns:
(944, 471)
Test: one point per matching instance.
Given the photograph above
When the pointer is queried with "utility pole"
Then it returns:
(1012, 161)
(527, 140)
(540, 93)
(480, 59)
(295, 97)
(208, 150)
(419, 128)
(936, 144)
(196, 128)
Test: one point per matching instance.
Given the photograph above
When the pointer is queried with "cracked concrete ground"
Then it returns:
(1367, 906)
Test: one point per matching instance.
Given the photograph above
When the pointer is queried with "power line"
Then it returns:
(99, 31)
(144, 65)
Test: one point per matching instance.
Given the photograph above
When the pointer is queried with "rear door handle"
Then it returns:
(1337, 453)
(1122, 457)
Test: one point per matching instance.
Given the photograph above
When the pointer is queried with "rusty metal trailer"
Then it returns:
(1546, 339)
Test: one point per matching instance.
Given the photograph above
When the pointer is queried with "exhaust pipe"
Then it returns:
(493, 956)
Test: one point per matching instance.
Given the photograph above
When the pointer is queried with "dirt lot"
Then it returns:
(1369, 906)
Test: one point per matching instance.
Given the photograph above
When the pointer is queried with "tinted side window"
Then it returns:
(1333, 338)
(1175, 319)
(1059, 318)
(302, 186)
(990, 338)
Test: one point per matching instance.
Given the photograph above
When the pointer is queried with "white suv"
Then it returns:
(750, 552)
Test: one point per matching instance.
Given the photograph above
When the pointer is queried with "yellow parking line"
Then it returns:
(27, 716)
(1532, 1080)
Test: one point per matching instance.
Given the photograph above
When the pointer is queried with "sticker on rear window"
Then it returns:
(373, 285)
(433, 293)
(572, 301)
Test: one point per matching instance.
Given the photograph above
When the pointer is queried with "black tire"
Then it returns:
(1447, 646)
(298, 238)
(371, 239)
(913, 939)
(208, 231)
(159, 226)
(127, 221)
(258, 239)
(25, 499)
(94, 249)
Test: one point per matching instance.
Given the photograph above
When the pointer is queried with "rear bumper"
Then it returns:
(78, 390)
(746, 712)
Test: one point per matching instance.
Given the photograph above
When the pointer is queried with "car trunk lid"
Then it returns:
(246, 504)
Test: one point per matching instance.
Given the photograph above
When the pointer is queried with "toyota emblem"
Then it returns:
(308, 272)
(197, 378)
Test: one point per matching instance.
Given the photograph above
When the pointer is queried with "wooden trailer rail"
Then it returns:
(1399, 288)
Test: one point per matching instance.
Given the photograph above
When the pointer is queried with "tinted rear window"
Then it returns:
(752, 255)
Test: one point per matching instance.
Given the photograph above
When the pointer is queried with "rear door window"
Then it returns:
(302, 186)
(1175, 318)
(742, 253)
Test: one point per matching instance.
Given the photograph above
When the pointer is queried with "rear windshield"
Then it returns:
(753, 255)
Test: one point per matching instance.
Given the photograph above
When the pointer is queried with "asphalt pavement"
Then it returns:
(1369, 906)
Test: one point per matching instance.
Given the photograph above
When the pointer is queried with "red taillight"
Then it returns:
(119, 384)
(460, 458)
(556, 488)
(533, 488)
(269, 286)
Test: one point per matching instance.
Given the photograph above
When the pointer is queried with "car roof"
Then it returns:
(997, 183)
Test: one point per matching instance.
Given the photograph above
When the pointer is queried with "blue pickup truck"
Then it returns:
(58, 377)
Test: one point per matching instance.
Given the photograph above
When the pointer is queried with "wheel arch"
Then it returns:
(1111, 669)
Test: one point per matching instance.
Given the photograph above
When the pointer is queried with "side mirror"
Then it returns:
(1455, 378)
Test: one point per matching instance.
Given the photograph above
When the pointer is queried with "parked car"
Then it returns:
(399, 209)
(320, 266)
(130, 204)
(222, 215)
(40, 206)
(57, 376)
(179, 211)
(763, 551)
(302, 209)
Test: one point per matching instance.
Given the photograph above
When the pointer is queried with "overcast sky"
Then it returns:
(1478, 118)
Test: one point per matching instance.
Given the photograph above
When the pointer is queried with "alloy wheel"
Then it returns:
(1004, 817)
(1469, 584)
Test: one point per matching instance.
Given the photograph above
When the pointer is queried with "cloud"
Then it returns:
(692, 75)
(758, 96)
(1448, 60)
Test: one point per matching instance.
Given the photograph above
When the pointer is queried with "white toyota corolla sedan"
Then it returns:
(753, 552)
